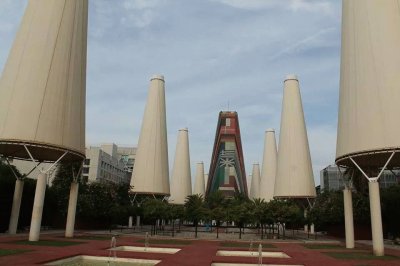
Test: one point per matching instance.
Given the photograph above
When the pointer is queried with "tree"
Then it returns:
(175, 212)
(390, 209)
(195, 210)
(154, 210)
(216, 203)
(240, 211)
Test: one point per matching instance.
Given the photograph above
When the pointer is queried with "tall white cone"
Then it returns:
(368, 122)
(255, 182)
(199, 187)
(151, 175)
(294, 175)
(248, 180)
(268, 172)
(181, 186)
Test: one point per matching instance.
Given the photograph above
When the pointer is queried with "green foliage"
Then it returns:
(154, 209)
(327, 210)
(390, 209)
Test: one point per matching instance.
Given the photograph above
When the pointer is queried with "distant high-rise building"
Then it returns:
(109, 163)
(227, 171)
(330, 178)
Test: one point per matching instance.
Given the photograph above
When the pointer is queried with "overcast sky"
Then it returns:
(213, 54)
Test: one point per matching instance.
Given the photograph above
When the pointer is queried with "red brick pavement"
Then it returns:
(199, 252)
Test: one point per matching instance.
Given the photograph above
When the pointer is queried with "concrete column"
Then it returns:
(19, 188)
(137, 221)
(37, 211)
(348, 217)
(376, 219)
(312, 231)
(130, 223)
(306, 225)
(73, 199)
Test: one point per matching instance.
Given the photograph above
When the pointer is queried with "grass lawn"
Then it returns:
(358, 256)
(327, 246)
(50, 243)
(245, 245)
(167, 241)
(5, 252)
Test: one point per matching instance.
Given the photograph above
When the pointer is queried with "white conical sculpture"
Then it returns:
(42, 94)
(268, 172)
(43, 86)
(294, 175)
(255, 182)
(199, 186)
(181, 185)
(151, 164)
(368, 123)
(248, 180)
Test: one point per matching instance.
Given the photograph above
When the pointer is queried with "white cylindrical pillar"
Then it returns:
(306, 225)
(130, 223)
(73, 199)
(19, 188)
(312, 231)
(137, 221)
(376, 219)
(37, 210)
(348, 217)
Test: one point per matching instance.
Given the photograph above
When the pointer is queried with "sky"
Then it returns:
(216, 55)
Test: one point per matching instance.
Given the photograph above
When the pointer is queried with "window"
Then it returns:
(87, 162)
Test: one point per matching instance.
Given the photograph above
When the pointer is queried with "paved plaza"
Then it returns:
(54, 246)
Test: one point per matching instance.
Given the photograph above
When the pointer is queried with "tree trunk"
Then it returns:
(195, 235)
(262, 231)
(240, 232)
(173, 228)
(217, 230)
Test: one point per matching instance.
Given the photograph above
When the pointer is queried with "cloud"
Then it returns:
(323, 6)
(251, 4)
(311, 6)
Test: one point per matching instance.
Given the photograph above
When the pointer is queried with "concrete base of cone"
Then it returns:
(348, 217)
(376, 219)
(19, 188)
(38, 207)
(73, 199)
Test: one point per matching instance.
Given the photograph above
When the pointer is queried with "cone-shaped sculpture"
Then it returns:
(42, 89)
(268, 172)
(181, 185)
(255, 182)
(368, 124)
(294, 175)
(151, 174)
(199, 187)
(248, 182)
(368, 127)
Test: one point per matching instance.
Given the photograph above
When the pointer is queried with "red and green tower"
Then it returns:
(227, 171)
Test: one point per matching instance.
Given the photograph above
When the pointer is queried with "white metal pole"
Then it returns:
(19, 188)
(376, 219)
(73, 199)
(38, 207)
(348, 217)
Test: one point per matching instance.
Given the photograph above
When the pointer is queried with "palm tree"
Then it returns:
(194, 209)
